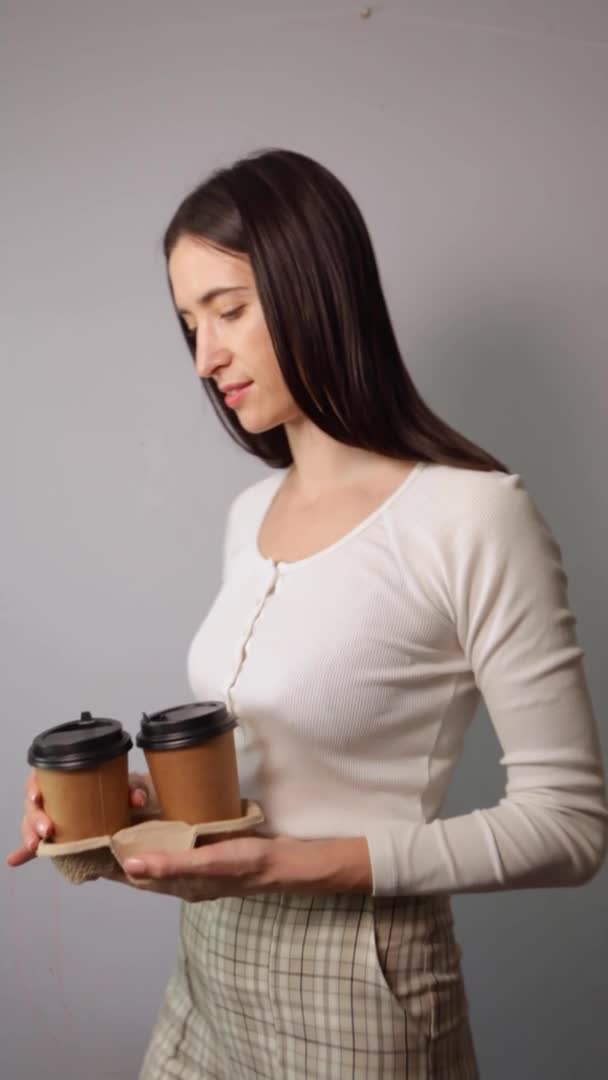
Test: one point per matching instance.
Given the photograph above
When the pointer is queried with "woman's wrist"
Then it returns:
(323, 866)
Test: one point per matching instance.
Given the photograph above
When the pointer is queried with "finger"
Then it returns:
(21, 855)
(32, 790)
(37, 825)
(159, 865)
(138, 796)
(138, 790)
(226, 858)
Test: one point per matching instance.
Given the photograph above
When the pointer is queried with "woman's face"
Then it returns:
(216, 297)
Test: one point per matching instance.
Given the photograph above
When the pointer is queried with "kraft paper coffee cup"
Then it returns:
(191, 756)
(82, 771)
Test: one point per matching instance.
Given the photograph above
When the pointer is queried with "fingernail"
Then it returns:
(42, 830)
(134, 866)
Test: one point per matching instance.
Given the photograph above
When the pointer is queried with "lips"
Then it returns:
(233, 393)
(230, 387)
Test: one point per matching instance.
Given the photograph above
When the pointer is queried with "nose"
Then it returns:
(209, 355)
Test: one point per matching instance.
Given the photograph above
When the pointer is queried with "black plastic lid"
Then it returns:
(184, 725)
(79, 744)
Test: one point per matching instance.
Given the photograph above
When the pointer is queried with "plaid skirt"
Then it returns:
(315, 987)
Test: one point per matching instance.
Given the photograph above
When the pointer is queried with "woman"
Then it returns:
(384, 577)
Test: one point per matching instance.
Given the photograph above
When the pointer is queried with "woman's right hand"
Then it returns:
(37, 826)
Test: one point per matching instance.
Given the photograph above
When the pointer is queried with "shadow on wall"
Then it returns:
(511, 377)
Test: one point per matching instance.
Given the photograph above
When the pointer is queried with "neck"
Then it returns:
(321, 465)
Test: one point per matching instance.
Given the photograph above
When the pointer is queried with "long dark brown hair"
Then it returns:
(319, 286)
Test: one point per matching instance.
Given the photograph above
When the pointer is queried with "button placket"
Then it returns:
(247, 636)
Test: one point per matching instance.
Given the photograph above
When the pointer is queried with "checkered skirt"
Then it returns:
(315, 987)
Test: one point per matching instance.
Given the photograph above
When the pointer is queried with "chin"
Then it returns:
(258, 425)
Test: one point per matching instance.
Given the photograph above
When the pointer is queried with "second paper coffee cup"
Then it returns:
(191, 756)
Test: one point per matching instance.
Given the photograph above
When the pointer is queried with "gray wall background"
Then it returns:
(474, 137)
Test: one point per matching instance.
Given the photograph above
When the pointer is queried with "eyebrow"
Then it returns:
(207, 297)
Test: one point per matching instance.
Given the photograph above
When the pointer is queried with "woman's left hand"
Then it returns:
(247, 865)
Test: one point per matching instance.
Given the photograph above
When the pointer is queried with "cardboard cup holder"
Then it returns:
(103, 856)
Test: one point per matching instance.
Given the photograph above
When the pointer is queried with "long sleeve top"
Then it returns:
(354, 674)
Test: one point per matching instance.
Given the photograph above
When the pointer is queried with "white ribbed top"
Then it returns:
(355, 673)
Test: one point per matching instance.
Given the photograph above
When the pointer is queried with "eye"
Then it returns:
(189, 332)
(233, 314)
